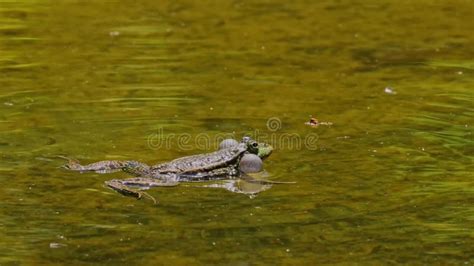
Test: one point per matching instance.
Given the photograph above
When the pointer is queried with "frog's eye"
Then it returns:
(255, 144)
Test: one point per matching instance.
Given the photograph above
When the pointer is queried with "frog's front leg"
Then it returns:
(124, 186)
(251, 179)
(103, 167)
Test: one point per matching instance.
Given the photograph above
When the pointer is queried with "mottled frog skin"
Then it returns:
(218, 165)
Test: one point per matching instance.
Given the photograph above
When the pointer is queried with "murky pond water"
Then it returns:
(390, 181)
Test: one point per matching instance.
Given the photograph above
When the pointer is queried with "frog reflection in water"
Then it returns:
(233, 162)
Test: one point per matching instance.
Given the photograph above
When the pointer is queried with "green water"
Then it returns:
(390, 181)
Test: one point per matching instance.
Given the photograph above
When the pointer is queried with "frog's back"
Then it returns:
(202, 162)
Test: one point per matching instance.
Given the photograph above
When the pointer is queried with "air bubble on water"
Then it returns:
(389, 90)
(56, 245)
(114, 33)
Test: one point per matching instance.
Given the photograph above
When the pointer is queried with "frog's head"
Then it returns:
(263, 150)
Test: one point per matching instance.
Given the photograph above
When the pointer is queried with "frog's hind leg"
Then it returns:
(126, 186)
(148, 182)
(123, 189)
(104, 167)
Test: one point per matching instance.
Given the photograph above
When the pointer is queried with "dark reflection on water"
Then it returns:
(390, 181)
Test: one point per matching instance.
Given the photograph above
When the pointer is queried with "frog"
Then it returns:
(233, 160)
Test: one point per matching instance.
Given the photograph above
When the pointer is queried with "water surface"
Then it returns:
(390, 181)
